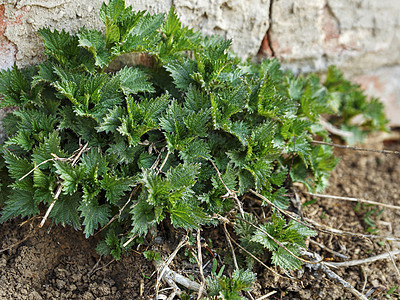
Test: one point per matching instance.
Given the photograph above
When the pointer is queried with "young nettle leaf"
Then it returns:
(94, 215)
(143, 217)
(197, 122)
(186, 216)
(47, 150)
(181, 71)
(281, 257)
(14, 85)
(115, 187)
(71, 176)
(178, 38)
(65, 210)
(60, 45)
(94, 163)
(20, 203)
(17, 167)
(140, 33)
(44, 184)
(112, 120)
(134, 80)
(94, 41)
(112, 15)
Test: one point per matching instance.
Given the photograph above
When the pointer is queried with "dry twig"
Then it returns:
(353, 200)
(74, 158)
(99, 268)
(172, 277)
(228, 239)
(200, 263)
(393, 262)
(357, 148)
(17, 243)
(356, 262)
(230, 193)
(330, 230)
(332, 129)
(328, 249)
(225, 220)
(267, 295)
(323, 267)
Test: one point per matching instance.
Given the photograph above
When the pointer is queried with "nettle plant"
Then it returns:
(178, 140)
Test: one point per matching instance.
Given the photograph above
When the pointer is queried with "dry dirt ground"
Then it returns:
(59, 263)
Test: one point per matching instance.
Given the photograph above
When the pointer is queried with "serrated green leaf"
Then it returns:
(94, 163)
(115, 187)
(195, 150)
(60, 44)
(185, 216)
(71, 176)
(17, 167)
(46, 150)
(133, 80)
(94, 215)
(157, 189)
(20, 203)
(285, 260)
(95, 42)
(146, 160)
(181, 73)
(65, 210)
(244, 279)
(183, 176)
(23, 139)
(196, 122)
(143, 217)
(112, 120)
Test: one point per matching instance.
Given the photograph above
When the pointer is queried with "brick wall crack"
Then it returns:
(268, 35)
(332, 13)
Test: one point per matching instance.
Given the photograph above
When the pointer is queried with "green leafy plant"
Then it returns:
(354, 112)
(223, 287)
(178, 139)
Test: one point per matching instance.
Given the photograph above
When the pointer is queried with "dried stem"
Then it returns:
(393, 262)
(99, 268)
(230, 193)
(328, 249)
(353, 200)
(286, 213)
(17, 243)
(163, 163)
(46, 215)
(228, 238)
(357, 148)
(130, 240)
(255, 257)
(332, 129)
(267, 295)
(134, 190)
(200, 263)
(329, 230)
(356, 262)
(323, 267)
(75, 158)
(42, 163)
(163, 268)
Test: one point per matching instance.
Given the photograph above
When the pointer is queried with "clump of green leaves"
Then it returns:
(354, 112)
(225, 288)
(175, 141)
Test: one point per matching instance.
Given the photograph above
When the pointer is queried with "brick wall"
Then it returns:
(362, 37)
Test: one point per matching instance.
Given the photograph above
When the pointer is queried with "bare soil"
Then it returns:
(59, 263)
